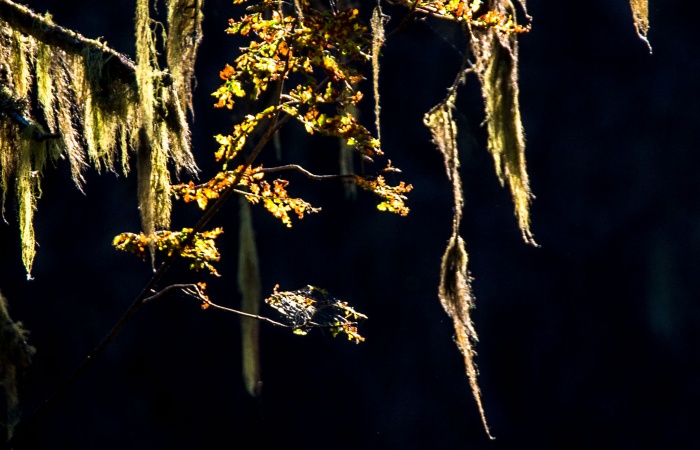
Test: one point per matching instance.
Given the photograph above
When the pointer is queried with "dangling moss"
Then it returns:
(22, 53)
(249, 286)
(27, 186)
(98, 113)
(184, 36)
(377, 24)
(149, 150)
(497, 67)
(165, 136)
(640, 14)
(455, 288)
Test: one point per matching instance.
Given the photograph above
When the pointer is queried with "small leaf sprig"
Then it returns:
(470, 12)
(274, 196)
(201, 251)
(312, 307)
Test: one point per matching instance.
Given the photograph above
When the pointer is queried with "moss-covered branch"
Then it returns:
(41, 28)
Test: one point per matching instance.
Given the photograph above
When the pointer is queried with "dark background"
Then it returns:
(589, 341)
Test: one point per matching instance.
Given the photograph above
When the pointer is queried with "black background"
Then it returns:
(590, 340)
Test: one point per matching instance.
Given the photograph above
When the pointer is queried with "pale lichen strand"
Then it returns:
(27, 187)
(249, 286)
(97, 115)
(377, 25)
(184, 35)
(455, 288)
(640, 15)
(497, 67)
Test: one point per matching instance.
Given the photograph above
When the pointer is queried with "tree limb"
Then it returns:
(24, 20)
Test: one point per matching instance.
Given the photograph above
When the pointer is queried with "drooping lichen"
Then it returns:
(94, 113)
(640, 14)
(496, 53)
(455, 285)
(249, 286)
(184, 35)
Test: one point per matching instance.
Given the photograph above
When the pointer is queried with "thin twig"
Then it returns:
(305, 172)
(195, 291)
(166, 290)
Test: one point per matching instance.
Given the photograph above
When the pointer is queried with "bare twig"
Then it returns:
(305, 172)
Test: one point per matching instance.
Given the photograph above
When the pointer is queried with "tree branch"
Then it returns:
(26, 21)
(12, 108)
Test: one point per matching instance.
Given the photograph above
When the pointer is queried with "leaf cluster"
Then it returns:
(201, 249)
(312, 307)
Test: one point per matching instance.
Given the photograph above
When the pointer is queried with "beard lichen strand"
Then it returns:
(27, 193)
(640, 15)
(23, 53)
(160, 176)
(178, 135)
(497, 67)
(249, 285)
(97, 116)
(454, 290)
(150, 178)
(184, 35)
(101, 114)
(377, 25)
(67, 76)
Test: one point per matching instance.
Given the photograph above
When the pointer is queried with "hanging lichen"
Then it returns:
(184, 35)
(377, 25)
(250, 289)
(496, 65)
(86, 97)
(640, 14)
(455, 289)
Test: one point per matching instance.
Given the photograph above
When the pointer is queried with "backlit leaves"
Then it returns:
(230, 145)
(200, 248)
(312, 307)
(273, 196)
(321, 48)
(393, 197)
(275, 199)
(473, 12)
